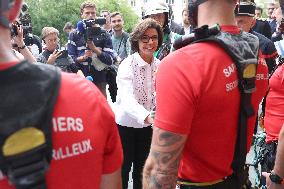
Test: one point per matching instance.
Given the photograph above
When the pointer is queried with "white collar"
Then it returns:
(140, 61)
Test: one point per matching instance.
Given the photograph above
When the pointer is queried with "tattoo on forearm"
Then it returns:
(167, 139)
(166, 153)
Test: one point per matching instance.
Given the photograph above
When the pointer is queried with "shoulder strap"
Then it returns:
(246, 86)
(25, 119)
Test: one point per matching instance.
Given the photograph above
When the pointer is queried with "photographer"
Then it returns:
(18, 44)
(92, 52)
(53, 56)
(31, 40)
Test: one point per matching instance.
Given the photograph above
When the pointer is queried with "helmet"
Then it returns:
(155, 7)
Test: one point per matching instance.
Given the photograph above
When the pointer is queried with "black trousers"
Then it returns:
(136, 146)
(111, 81)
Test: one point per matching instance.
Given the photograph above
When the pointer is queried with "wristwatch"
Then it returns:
(22, 47)
(276, 178)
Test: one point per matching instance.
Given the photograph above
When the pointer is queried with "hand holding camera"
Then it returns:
(56, 54)
(19, 38)
(91, 45)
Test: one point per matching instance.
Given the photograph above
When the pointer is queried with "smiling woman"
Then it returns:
(136, 98)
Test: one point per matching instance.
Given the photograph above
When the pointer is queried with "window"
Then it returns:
(170, 2)
(133, 3)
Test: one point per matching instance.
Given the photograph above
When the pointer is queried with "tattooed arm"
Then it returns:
(160, 171)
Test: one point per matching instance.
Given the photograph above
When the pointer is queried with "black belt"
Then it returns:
(185, 184)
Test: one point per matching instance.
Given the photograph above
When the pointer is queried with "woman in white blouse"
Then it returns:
(136, 98)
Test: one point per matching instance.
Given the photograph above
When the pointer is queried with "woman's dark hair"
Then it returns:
(139, 31)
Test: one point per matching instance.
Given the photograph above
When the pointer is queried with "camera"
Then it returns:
(25, 22)
(93, 29)
(64, 54)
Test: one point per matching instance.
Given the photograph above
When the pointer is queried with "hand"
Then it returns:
(54, 56)
(19, 39)
(281, 27)
(88, 53)
(91, 45)
(149, 120)
(270, 184)
(118, 60)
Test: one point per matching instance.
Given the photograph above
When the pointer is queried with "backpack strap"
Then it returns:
(29, 93)
(246, 72)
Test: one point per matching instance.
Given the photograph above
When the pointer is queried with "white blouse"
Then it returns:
(136, 91)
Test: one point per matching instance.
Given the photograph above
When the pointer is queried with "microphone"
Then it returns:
(90, 78)
(80, 26)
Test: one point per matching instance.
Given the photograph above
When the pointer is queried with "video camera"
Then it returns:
(92, 28)
(26, 23)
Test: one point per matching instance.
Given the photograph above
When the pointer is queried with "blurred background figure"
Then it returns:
(261, 25)
(174, 27)
(271, 18)
(107, 25)
(68, 28)
(121, 46)
(258, 12)
(187, 28)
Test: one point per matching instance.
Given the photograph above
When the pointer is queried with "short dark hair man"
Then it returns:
(84, 150)
(91, 55)
(187, 27)
(258, 12)
(198, 103)
(107, 25)
(121, 47)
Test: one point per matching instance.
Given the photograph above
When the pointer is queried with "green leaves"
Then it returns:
(56, 13)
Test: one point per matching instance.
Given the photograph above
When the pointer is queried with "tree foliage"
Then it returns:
(56, 13)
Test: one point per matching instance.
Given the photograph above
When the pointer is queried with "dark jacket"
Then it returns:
(77, 46)
(262, 27)
(176, 28)
(268, 50)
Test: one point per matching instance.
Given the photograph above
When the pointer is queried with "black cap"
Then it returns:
(245, 9)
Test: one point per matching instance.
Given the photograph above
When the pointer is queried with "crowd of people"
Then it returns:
(187, 99)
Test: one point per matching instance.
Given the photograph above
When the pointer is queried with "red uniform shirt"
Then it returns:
(86, 142)
(274, 109)
(198, 96)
